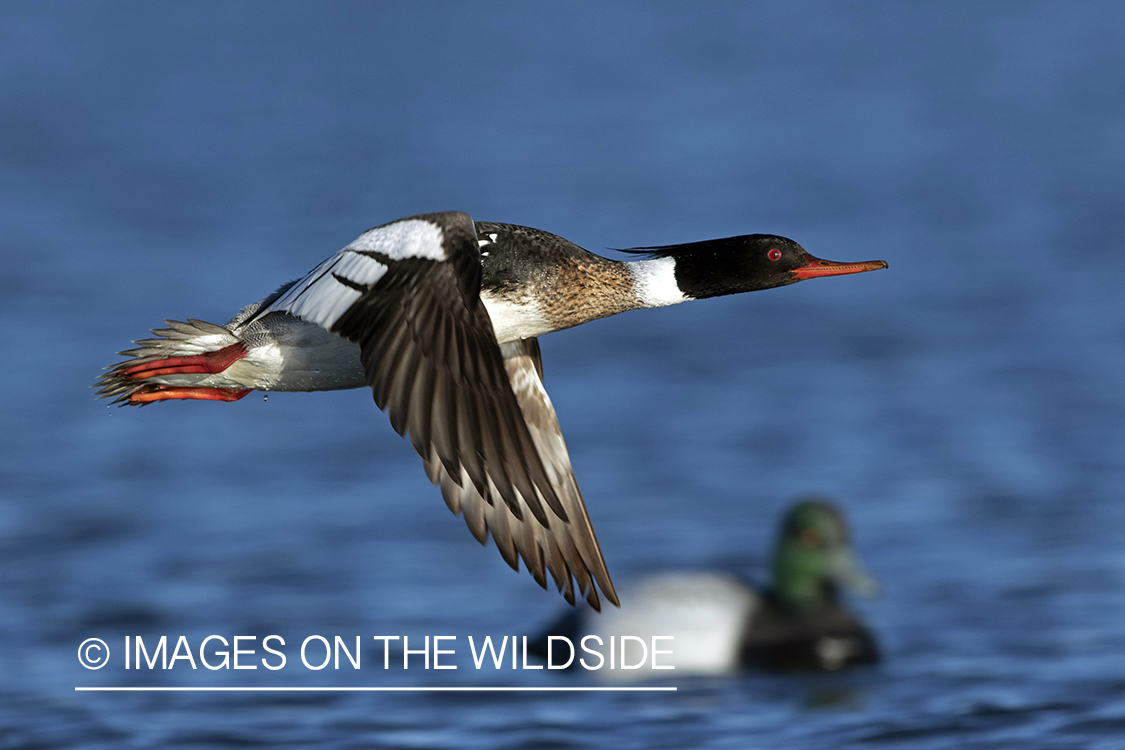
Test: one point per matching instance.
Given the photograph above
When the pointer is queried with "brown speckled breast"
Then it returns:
(568, 284)
(585, 289)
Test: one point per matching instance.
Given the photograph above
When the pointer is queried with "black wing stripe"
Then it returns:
(375, 255)
(349, 283)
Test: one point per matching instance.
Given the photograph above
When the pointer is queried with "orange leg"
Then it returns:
(169, 392)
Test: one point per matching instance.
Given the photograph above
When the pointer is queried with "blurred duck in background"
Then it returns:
(720, 624)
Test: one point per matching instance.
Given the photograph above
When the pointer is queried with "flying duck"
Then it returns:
(719, 624)
(440, 317)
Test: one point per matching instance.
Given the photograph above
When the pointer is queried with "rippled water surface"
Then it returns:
(964, 406)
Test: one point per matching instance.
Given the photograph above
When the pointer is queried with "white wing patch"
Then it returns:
(413, 238)
(322, 297)
(359, 269)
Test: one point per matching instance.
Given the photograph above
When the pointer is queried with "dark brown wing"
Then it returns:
(569, 550)
(409, 294)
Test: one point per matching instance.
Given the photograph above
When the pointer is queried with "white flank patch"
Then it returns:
(654, 282)
(705, 613)
(412, 238)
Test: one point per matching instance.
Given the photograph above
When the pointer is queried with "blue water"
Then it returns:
(964, 407)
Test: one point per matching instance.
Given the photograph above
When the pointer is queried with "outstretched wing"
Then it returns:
(566, 549)
(408, 293)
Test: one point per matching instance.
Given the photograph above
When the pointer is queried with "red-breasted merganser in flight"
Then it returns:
(439, 317)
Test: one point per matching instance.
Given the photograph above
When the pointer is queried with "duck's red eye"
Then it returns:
(774, 254)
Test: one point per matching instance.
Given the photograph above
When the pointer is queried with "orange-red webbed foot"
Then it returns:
(211, 362)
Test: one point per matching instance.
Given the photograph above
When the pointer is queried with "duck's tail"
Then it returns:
(181, 364)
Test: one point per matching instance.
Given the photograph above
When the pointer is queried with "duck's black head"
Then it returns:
(746, 264)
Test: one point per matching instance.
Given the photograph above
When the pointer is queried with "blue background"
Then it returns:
(964, 407)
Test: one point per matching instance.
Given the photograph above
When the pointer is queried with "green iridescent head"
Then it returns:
(813, 557)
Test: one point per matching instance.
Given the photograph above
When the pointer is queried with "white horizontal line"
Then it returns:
(372, 689)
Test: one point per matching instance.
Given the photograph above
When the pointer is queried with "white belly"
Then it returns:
(513, 321)
(310, 359)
